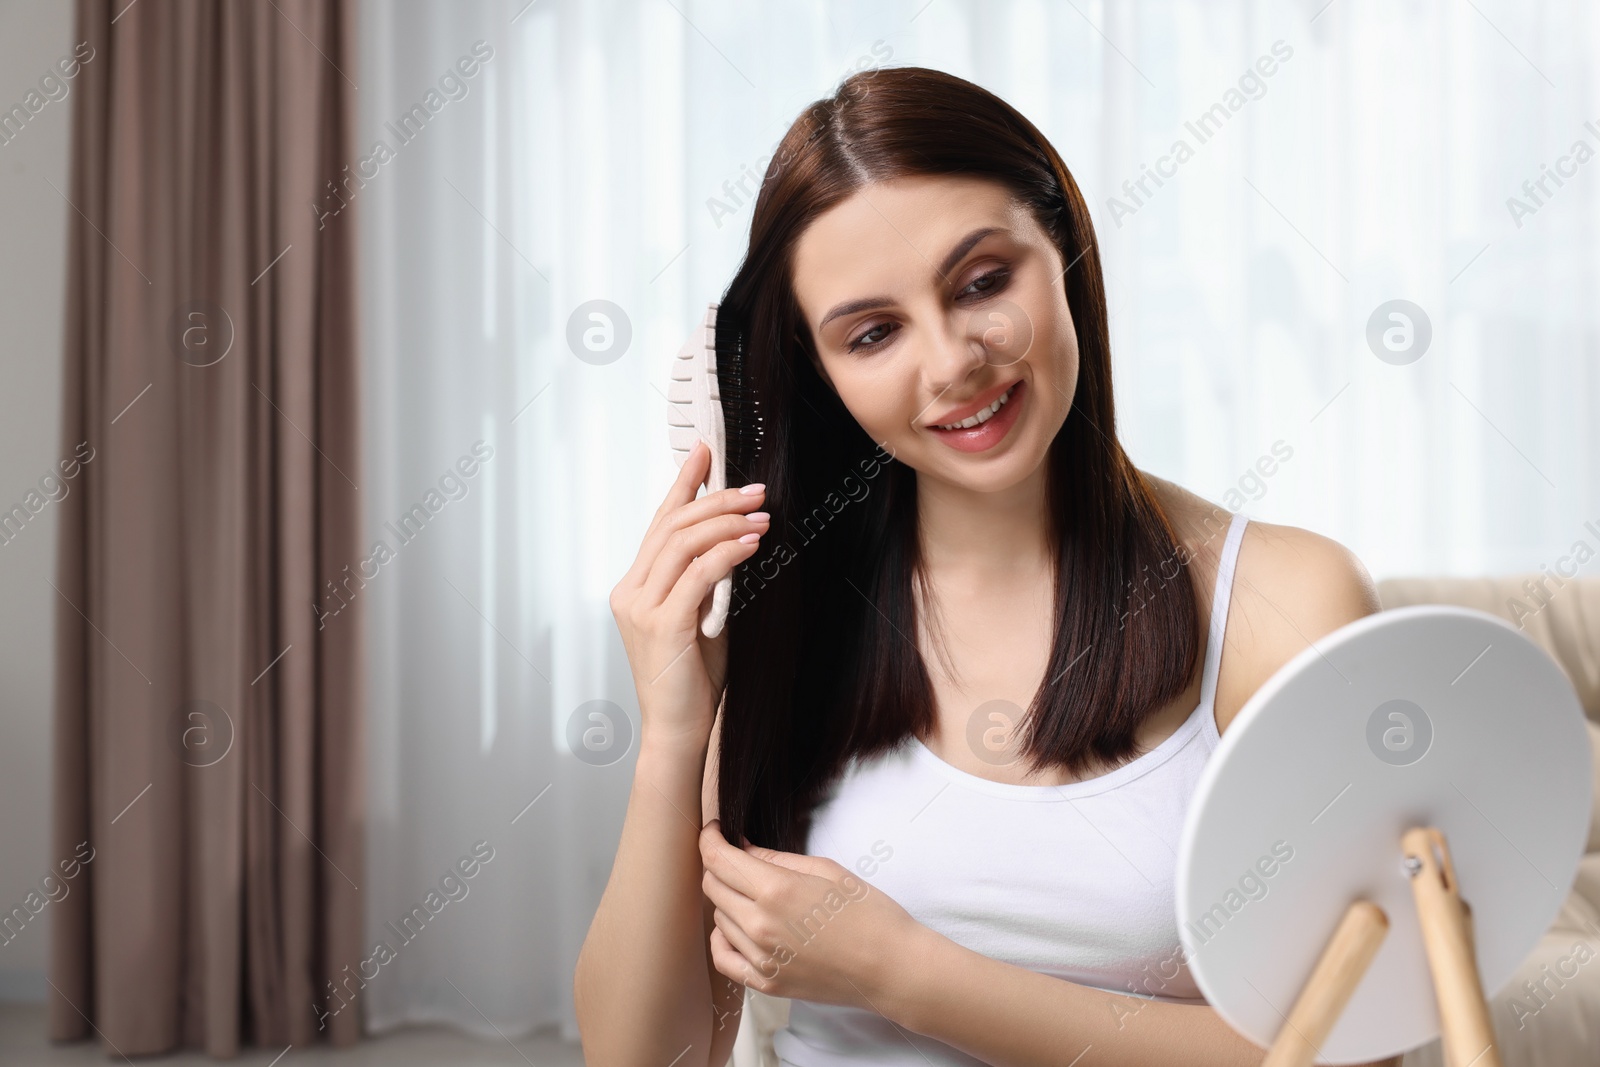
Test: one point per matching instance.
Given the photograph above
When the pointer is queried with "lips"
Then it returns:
(996, 428)
(973, 406)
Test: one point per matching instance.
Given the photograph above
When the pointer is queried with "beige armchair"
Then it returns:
(1562, 1025)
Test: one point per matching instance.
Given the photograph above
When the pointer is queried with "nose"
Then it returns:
(955, 354)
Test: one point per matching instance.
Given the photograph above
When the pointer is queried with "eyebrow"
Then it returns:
(961, 248)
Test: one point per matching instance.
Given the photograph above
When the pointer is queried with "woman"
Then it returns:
(955, 596)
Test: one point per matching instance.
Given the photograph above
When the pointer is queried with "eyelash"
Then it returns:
(1000, 275)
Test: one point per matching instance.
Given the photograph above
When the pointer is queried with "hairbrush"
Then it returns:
(711, 399)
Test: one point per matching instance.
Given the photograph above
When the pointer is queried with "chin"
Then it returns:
(980, 474)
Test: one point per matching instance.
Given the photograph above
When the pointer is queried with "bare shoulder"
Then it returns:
(1291, 587)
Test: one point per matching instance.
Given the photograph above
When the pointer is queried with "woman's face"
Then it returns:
(928, 298)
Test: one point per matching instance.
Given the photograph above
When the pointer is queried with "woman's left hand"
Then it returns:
(804, 927)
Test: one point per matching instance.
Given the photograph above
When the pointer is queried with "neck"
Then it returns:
(967, 532)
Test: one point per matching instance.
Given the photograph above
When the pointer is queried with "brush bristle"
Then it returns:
(741, 407)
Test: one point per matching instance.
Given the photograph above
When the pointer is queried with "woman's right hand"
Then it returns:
(690, 545)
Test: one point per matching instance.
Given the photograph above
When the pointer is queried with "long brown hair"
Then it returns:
(823, 661)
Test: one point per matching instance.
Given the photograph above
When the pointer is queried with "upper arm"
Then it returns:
(727, 996)
(1291, 588)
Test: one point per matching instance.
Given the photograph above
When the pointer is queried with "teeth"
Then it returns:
(981, 417)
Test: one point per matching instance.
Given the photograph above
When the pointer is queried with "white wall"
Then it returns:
(33, 233)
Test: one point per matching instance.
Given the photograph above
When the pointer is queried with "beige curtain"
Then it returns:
(208, 732)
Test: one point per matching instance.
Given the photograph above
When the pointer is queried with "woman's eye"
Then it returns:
(984, 285)
(862, 342)
(996, 280)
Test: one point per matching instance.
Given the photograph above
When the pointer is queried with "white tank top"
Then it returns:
(1074, 880)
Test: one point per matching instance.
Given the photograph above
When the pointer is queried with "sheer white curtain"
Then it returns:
(1336, 158)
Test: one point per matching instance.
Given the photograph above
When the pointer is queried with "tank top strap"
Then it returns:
(1219, 610)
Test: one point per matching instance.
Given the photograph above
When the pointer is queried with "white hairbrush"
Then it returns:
(701, 395)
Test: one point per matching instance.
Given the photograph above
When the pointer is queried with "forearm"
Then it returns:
(1010, 1016)
(642, 989)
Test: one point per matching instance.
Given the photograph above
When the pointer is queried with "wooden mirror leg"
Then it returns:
(1446, 923)
(1338, 971)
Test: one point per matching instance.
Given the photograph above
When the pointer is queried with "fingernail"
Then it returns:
(758, 516)
(753, 488)
(750, 538)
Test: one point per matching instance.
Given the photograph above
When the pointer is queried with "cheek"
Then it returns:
(1057, 375)
(1069, 364)
(1066, 378)
(880, 401)
(1066, 360)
